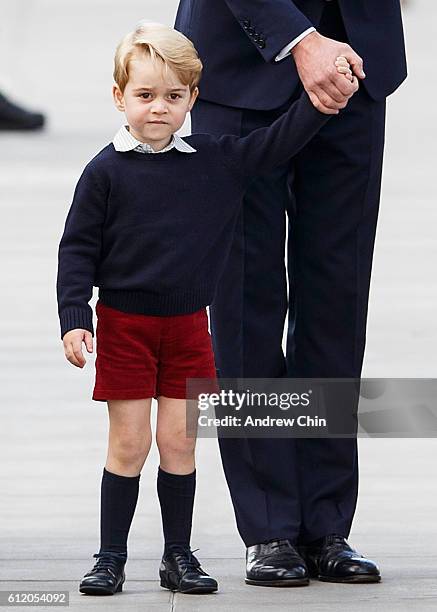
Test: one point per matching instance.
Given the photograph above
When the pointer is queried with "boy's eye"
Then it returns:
(147, 96)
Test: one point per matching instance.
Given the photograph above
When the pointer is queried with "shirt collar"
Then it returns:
(124, 141)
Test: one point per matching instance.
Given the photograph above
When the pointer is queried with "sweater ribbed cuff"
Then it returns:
(76, 318)
(308, 108)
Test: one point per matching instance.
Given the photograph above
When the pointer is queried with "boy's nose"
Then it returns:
(159, 108)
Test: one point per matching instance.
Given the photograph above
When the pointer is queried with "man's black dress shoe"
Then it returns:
(331, 559)
(107, 576)
(180, 571)
(14, 117)
(276, 563)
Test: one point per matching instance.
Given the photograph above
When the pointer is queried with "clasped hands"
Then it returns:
(322, 64)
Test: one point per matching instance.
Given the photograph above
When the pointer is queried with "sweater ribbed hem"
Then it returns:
(184, 301)
(76, 318)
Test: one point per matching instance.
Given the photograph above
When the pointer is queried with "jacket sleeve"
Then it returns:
(268, 147)
(269, 24)
(79, 252)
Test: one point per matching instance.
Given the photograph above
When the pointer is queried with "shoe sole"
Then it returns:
(289, 582)
(362, 579)
(193, 591)
(95, 590)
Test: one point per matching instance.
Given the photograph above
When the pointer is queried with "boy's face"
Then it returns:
(155, 102)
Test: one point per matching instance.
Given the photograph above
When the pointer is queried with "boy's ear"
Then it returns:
(118, 97)
(194, 95)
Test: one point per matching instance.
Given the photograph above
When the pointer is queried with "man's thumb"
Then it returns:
(88, 341)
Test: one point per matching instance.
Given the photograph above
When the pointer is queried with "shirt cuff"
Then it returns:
(286, 50)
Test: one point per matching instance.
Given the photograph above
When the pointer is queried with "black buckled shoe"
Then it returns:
(180, 571)
(107, 576)
(14, 117)
(331, 559)
(277, 564)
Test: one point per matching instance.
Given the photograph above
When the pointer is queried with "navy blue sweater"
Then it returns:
(153, 231)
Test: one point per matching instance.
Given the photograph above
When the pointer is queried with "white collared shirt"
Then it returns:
(287, 50)
(124, 141)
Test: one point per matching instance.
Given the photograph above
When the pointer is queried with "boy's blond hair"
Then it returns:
(160, 43)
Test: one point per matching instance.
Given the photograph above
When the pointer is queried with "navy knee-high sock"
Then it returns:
(176, 497)
(119, 495)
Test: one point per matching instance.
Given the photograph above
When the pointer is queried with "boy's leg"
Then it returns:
(179, 570)
(176, 474)
(128, 447)
(185, 352)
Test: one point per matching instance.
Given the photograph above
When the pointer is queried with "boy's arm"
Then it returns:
(268, 147)
(79, 252)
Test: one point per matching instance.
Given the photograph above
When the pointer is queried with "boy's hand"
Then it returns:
(73, 345)
(343, 67)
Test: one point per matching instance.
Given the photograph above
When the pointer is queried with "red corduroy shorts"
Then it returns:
(141, 356)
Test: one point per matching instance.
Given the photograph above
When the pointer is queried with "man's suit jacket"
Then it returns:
(238, 41)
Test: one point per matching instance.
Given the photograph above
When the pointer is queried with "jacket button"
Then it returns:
(246, 22)
(261, 44)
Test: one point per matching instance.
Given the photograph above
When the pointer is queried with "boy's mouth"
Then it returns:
(159, 122)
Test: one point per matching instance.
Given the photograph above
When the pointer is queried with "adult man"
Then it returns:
(294, 499)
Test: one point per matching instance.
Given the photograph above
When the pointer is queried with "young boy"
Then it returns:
(151, 224)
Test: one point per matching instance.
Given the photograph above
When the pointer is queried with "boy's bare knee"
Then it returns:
(176, 447)
(129, 451)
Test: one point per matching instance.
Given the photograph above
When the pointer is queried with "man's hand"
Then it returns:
(315, 58)
(73, 345)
